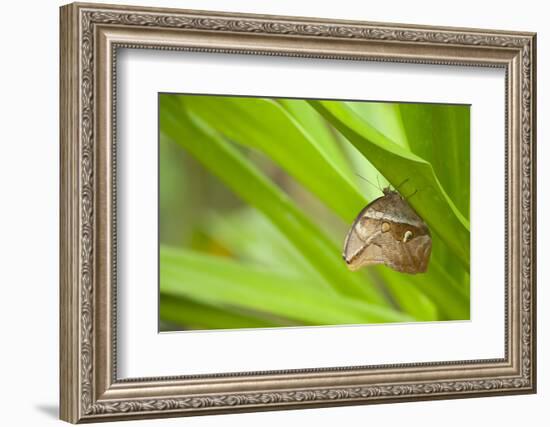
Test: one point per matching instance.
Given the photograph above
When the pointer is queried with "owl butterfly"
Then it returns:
(388, 231)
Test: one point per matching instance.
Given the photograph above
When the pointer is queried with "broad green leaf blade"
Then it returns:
(454, 303)
(407, 170)
(265, 125)
(252, 186)
(321, 133)
(368, 178)
(384, 117)
(252, 238)
(176, 195)
(434, 295)
(189, 314)
(440, 134)
(407, 296)
(220, 282)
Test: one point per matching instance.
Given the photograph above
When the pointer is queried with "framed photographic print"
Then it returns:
(265, 212)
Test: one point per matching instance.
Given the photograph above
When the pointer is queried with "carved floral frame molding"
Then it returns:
(90, 36)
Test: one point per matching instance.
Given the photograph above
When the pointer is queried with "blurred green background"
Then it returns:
(257, 195)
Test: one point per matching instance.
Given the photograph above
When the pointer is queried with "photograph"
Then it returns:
(285, 212)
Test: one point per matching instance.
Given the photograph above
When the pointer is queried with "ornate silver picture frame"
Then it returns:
(90, 388)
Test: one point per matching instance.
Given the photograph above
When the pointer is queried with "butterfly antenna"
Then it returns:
(403, 182)
(409, 196)
(365, 179)
(417, 191)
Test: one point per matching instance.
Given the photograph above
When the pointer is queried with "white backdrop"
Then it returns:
(29, 170)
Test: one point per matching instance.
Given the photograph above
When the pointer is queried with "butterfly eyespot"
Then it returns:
(407, 236)
(385, 227)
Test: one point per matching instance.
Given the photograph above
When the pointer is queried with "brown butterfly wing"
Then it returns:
(377, 236)
(408, 257)
(358, 250)
(355, 239)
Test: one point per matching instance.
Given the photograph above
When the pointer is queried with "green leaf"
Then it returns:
(265, 125)
(189, 314)
(407, 170)
(384, 117)
(453, 303)
(321, 133)
(223, 283)
(252, 186)
(407, 296)
(440, 134)
(252, 238)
